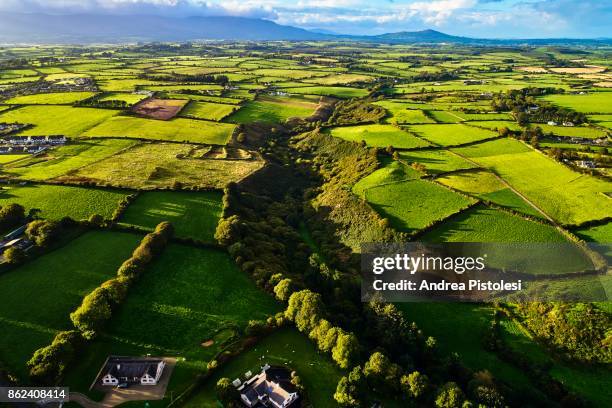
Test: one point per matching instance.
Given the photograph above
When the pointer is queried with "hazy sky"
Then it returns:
(477, 18)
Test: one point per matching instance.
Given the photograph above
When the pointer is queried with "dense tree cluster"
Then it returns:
(189, 78)
(355, 111)
(525, 106)
(43, 232)
(11, 215)
(580, 331)
(49, 363)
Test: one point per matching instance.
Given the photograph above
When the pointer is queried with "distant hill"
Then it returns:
(88, 28)
(430, 36)
(92, 28)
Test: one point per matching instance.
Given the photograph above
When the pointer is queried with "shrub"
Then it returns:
(450, 396)
(11, 215)
(283, 289)
(42, 232)
(14, 255)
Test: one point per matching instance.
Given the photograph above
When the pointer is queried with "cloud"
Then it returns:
(163, 7)
(486, 18)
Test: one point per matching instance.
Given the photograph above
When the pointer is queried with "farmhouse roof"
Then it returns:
(118, 367)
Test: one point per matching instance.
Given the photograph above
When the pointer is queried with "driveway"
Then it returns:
(115, 396)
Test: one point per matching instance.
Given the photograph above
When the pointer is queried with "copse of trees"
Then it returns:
(11, 215)
(42, 232)
(49, 363)
(579, 331)
(186, 78)
(14, 255)
(525, 106)
(306, 310)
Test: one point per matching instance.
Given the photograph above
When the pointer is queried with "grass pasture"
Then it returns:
(193, 214)
(391, 172)
(379, 136)
(594, 102)
(588, 132)
(56, 120)
(207, 110)
(451, 134)
(567, 196)
(436, 161)
(337, 91)
(273, 110)
(57, 202)
(486, 186)
(482, 224)
(127, 97)
(588, 382)
(176, 130)
(416, 204)
(191, 294)
(403, 113)
(57, 98)
(38, 297)
(159, 165)
(67, 158)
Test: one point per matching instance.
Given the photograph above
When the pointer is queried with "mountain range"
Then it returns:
(94, 28)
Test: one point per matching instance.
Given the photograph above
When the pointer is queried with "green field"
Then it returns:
(486, 186)
(38, 297)
(273, 110)
(337, 91)
(567, 196)
(594, 102)
(391, 172)
(460, 328)
(64, 159)
(444, 116)
(451, 134)
(127, 97)
(589, 382)
(176, 130)
(598, 233)
(8, 158)
(193, 215)
(403, 113)
(572, 131)
(481, 224)
(159, 165)
(497, 124)
(286, 347)
(185, 298)
(379, 136)
(58, 98)
(416, 204)
(436, 161)
(57, 202)
(56, 120)
(207, 110)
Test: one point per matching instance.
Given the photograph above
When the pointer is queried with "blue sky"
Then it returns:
(476, 18)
